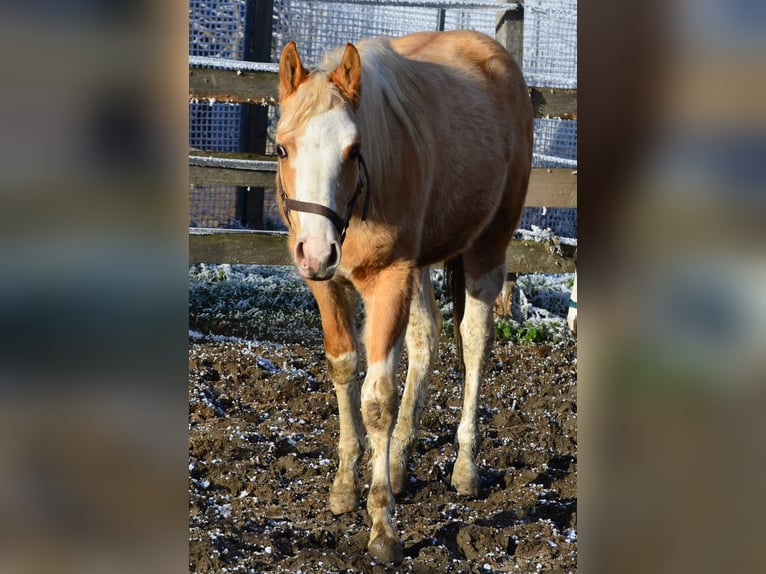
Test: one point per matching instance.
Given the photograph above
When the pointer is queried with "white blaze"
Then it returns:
(318, 164)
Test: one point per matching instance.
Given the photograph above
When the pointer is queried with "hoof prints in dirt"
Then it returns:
(263, 438)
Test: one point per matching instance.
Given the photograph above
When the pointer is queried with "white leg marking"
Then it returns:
(344, 494)
(477, 332)
(422, 339)
(379, 403)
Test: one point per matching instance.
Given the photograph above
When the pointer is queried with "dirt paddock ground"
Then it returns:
(263, 435)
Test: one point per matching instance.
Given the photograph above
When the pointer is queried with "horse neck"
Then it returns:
(394, 160)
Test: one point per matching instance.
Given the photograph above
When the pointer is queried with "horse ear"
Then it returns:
(348, 73)
(291, 71)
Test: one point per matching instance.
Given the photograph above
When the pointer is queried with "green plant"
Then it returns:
(529, 333)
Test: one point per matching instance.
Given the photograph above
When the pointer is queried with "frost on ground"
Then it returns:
(266, 302)
(263, 437)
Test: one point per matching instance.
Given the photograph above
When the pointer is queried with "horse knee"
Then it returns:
(342, 368)
(379, 405)
(378, 413)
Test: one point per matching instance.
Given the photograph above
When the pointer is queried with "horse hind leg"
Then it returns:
(421, 340)
(477, 332)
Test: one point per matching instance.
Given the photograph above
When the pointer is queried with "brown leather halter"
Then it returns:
(340, 224)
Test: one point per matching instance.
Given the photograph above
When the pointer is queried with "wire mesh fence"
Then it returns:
(216, 29)
(550, 43)
(319, 26)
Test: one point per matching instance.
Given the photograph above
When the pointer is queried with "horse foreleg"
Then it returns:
(477, 332)
(336, 306)
(386, 298)
(345, 490)
(421, 339)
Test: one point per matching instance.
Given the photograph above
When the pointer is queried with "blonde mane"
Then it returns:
(389, 82)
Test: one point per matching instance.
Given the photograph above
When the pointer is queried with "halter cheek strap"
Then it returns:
(340, 224)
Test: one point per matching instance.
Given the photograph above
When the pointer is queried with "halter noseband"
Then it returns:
(340, 224)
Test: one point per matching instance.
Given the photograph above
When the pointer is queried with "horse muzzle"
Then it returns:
(316, 258)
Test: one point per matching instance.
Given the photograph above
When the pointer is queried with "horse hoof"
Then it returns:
(385, 550)
(465, 479)
(343, 502)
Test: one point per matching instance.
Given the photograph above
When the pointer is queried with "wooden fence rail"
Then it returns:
(260, 86)
(548, 187)
(270, 248)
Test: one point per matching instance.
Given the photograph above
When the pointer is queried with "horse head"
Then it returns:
(320, 167)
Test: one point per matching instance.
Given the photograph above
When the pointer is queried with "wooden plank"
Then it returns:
(270, 248)
(261, 87)
(232, 168)
(525, 256)
(234, 86)
(554, 103)
(196, 154)
(238, 246)
(548, 187)
(552, 187)
(227, 176)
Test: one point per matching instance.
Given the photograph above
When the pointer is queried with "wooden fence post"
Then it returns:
(509, 31)
(442, 14)
(254, 121)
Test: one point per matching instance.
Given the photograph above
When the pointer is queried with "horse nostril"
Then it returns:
(299, 255)
(334, 257)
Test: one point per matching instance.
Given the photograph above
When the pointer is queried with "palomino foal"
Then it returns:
(395, 155)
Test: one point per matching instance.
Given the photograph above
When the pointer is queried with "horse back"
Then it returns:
(483, 137)
(475, 55)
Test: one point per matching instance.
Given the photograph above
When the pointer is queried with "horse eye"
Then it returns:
(354, 151)
(281, 151)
